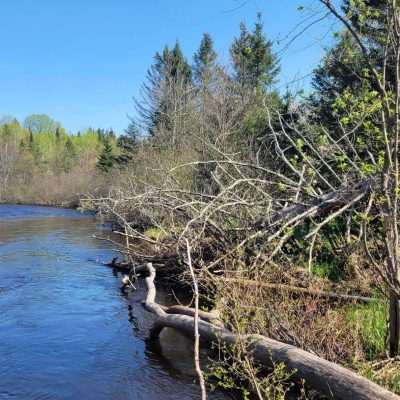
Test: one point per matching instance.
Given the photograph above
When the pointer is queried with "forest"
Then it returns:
(278, 208)
(40, 163)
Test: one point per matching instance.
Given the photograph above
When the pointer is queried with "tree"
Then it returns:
(8, 156)
(254, 63)
(165, 95)
(69, 155)
(36, 123)
(204, 61)
(58, 134)
(128, 144)
(107, 159)
(379, 171)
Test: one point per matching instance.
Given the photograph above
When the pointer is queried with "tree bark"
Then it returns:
(305, 291)
(330, 379)
(394, 325)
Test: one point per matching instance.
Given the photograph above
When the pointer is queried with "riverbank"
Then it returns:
(339, 318)
(71, 205)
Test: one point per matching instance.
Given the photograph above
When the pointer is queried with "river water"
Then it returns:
(66, 330)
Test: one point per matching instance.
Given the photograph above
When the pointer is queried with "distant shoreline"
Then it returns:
(69, 206)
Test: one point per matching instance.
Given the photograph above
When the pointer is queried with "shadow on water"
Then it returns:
(66, 331)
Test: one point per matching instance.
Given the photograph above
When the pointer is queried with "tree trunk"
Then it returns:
(330, 379)
(394, 324)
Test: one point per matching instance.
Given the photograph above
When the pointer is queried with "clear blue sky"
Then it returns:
(82, 61)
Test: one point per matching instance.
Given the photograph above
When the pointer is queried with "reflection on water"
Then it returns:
(66, 331)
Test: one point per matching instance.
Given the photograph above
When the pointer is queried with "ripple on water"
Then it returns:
(66, 332)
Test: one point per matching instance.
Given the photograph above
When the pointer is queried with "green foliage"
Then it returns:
(128, 144)
(155, 234)
(45, 147)
(370, 320)
(327, 270)
(37, 123)
(232, 373)
(204, 61)
(107, 158)
(254, 63)
(164, 90)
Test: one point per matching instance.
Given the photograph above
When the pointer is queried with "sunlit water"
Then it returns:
(66, 330)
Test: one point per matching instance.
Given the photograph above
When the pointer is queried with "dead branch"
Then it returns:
(296, 289)
(329, 378)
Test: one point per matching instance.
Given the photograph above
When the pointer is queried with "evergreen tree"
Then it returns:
(165, 91)
(344, 68)
(69, 155)
(254, 63)
(204, 61)
(101, 135)
(128, 144)
(345, 94)
(178, 67)
(111, 134)
(107, 159)
(340, 69)
(30, 138)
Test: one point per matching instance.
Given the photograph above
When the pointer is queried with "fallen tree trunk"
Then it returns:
(127, 267)
(319, 206)
(210, 317)
(306, 291)
(329, 378)
(118, 266)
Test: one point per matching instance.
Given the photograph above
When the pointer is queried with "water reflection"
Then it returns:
(66, 332)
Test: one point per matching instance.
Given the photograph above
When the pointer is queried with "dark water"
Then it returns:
(66, 331)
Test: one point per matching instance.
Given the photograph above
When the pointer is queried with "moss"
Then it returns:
(155, 234)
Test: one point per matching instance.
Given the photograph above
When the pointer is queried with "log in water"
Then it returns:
(66, 330)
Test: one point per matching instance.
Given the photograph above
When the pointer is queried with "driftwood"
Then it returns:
(210, 317)
(118, 266)
(328, 378)
(125, 267)
(306, 291)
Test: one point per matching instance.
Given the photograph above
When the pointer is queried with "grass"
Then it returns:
(370, 321)
(327, 270)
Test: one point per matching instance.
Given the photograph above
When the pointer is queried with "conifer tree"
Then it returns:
(58, 134)
(107, 159)
(254, 63)
(128, 144)
(69, 155)
(204, 61)
(164, 95)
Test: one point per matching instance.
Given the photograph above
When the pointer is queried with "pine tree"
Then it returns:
(58, 134)
(69, 155)
(128, 144)
(343, 71)
(204, 61)
(107, 159)
(254, 63)
(165, 91)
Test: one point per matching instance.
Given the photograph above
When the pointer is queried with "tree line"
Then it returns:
(41, 163)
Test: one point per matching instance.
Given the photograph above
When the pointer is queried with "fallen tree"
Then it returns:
(328, 378)
(302, 290)
(127, 268)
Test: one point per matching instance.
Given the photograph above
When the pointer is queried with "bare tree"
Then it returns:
(8, 157)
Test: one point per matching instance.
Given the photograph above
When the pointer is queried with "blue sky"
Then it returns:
(82, 61)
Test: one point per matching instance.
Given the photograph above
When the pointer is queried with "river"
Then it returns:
(66, 330)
